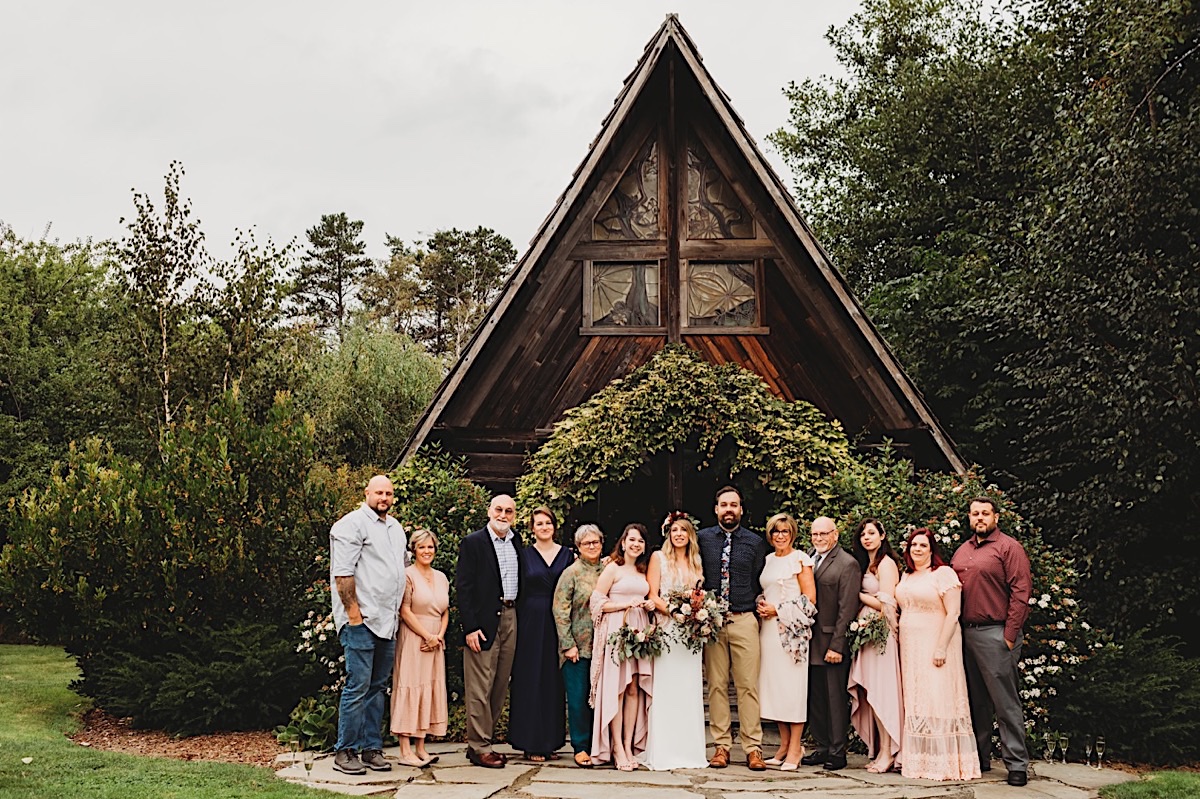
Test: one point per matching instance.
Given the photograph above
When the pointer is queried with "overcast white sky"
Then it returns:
(410, 116)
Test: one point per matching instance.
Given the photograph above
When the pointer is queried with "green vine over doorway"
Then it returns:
(791, 447)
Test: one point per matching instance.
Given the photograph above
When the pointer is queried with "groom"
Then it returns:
(733, 558)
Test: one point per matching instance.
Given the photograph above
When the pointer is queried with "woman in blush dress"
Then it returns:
(622, 692)
(536, 705)
(787, 612)
(938, 742)
(419, 675)
(876, 706)
(573, 618)
(676, 738)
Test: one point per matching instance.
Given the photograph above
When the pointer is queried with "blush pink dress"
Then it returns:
(609, 678)
(938, 742)
(875, 695)
(419, 678)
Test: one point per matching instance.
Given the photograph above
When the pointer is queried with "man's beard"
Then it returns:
(737, 522)
(986, 532)
(501, 527)
(382, 511)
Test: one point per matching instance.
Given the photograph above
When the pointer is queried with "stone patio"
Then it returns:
(452, 777)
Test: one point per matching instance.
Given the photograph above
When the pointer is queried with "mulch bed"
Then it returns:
(99, 730)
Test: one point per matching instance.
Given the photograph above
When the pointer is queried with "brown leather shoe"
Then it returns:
(485, 759)
(754, 761)
(720, 758)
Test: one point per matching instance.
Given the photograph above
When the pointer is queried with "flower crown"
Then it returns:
(673, 517)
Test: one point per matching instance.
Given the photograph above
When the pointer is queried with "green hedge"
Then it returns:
(177, 583)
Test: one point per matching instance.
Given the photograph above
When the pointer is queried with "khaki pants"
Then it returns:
(485, 682)
(736, 650)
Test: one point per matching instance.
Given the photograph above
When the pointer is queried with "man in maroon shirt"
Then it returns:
(996, 585)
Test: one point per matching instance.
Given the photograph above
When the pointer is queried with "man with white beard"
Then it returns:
(487, 580)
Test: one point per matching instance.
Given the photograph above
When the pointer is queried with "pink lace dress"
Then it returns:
(938, 742)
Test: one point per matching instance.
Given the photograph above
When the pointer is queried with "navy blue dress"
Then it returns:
(537, 711)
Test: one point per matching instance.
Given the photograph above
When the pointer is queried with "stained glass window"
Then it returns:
(631, 212)
(625, 295)
(722, 295)
(713, 210)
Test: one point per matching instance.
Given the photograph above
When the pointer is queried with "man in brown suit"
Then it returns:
(838, 580)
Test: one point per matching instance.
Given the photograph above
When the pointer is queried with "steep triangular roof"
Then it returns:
(671, 38)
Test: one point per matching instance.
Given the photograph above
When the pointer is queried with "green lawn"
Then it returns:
(1160, 785)
(37, 710)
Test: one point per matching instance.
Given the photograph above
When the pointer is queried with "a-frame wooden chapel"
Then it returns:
(673, 229)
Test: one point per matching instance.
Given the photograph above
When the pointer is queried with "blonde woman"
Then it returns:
(419, 677)
(787, 609)
(676, 722)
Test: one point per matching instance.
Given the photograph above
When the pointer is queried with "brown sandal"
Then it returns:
(535, 758)
(583, 760)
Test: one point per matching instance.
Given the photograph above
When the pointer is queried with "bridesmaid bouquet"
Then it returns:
(871, 629)
(698, 617)
(630, 642)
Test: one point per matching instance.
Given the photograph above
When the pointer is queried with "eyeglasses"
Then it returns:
(592, 543)
(824, 532)
(781, 532)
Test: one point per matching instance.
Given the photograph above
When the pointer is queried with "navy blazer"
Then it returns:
(477, 584)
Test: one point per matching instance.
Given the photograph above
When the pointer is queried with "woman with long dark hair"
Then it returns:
(876, 703)
(621, 691)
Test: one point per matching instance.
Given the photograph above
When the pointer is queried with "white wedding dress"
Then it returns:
(676, 734)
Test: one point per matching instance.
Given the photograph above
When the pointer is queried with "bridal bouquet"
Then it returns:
(698, 617)
(870, 629)
(630, 642)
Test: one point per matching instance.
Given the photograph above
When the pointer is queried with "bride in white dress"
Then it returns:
(676, 734)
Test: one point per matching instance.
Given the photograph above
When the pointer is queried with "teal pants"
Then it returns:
(577, 679)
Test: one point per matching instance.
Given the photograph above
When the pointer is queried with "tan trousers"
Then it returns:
(736, 650)
(485, 682)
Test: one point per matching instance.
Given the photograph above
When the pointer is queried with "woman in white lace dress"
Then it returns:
(676, 737)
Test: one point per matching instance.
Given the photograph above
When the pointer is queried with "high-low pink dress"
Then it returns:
(875, 695)
(610, 679)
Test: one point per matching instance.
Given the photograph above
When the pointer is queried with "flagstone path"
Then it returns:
(452, 777)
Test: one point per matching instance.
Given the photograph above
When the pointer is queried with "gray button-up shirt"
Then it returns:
(371, 550)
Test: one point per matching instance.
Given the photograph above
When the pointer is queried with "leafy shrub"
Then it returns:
(313, 722)
(132, 567)
(244, 676)
(1143, 696)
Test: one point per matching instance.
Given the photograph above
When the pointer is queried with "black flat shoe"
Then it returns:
(1018, 778)
(814, 758)
(834, 764)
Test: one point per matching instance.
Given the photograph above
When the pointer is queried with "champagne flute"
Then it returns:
(1063, 739)
(1051, 739)
(1099, 751)
(294, 747)
(1087, 750)
(309, 756)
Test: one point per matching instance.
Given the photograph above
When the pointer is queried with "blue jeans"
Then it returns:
(368, 673)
